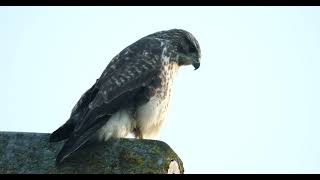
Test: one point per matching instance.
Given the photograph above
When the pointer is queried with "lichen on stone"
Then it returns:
(32, 153)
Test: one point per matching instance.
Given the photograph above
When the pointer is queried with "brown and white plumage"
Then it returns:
(133, 92)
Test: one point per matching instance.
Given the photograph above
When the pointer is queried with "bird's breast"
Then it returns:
(150, 116)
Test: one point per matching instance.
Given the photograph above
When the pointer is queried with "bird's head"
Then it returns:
(187, 49)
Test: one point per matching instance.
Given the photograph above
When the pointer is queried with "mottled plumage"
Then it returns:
(133, 92)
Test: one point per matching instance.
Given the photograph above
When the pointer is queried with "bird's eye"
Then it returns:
(192, 49)
(181, 49)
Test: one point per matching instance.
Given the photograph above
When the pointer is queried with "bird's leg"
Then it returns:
(137, 133)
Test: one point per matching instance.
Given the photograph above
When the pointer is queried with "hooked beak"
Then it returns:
(187, 60)
(195, 63)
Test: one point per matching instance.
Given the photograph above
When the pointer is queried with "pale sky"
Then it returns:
(252, 107)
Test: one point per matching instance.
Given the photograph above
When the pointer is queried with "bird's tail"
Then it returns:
(62, 133)
(76, 141)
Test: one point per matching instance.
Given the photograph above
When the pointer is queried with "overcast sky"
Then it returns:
(252, 107)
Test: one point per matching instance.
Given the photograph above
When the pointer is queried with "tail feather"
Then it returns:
(76, 141)
(62, 133)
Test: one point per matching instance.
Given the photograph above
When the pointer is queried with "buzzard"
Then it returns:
(132, 94)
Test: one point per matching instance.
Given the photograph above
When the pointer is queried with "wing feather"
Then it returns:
(123, 84)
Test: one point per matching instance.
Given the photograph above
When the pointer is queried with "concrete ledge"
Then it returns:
(31, 153)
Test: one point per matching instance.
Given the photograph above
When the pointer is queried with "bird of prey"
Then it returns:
(132, 94)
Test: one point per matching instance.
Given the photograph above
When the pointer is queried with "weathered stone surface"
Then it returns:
(26, 153)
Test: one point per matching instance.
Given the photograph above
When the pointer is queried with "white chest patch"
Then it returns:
(150, 116)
